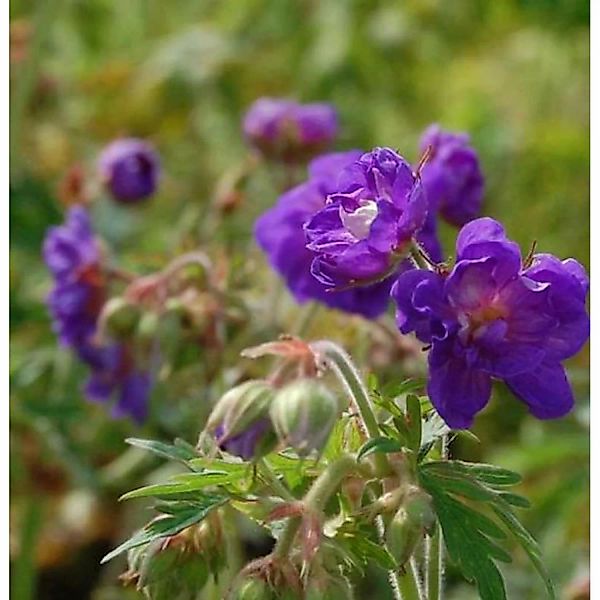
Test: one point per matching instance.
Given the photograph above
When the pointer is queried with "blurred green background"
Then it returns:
(513, 73)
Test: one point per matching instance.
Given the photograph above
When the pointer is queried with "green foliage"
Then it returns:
(460, 492)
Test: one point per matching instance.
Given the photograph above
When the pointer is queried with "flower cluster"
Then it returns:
(289, 131)
(73, 256)
(495, 316)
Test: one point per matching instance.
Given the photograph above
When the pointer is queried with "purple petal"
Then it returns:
(457, 392)
(545, 390)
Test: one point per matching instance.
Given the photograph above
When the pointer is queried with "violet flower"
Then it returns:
(72, 254)
(452, 176)
(130, 169)
(280, 234)
(367, 225)
(493, 317)
(289, 131)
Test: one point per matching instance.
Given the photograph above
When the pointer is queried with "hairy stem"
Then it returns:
(271, 478)
(341, 364)
(321, 490)
(435, 549)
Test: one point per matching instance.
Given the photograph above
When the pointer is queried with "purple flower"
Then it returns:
(114, 375)
(279, 232)
(366, 227)
(289, 131)
(249, 443)
(452, 176)
(73, 256)
(130, 169)
(494, 317)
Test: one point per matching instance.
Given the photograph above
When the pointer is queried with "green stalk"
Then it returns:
(321, 490)
(435, 549)
(271, 478)
(341, 364)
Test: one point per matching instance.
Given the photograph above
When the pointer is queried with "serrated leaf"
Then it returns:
(467, 541)
(486, 474)
(171, 524)
(433, 428)
(378, 444)
(527, 542)
(177, 452)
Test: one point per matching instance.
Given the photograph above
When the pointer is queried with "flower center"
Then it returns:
(359, 222)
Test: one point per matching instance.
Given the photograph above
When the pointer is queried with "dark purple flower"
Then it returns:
(280, 233)
(452, 176)
(289, 131)
(366, 226)
(73, 256)
(493, 317)
(248, 443)
(130, 169)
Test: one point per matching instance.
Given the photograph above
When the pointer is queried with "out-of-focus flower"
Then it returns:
(451, 175)
(72, 254)
(280, 234)
(286, 130)
(130, 169)
(366, 227)
(495, 317)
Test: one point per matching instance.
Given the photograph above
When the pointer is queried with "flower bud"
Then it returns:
(119, 318)
(148, 326)
(419, 509)
(402, 536)
(303, 414)
(241, 406)
(239, 420)
(129, 168)
(170, 568)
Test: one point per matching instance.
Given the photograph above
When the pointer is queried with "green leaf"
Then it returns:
(165, 526)
(408, 386)
(379, 444)
(180, 452)
(527, 542)
(467, 538)
(184, 483)
(483, 483)
(413, 416)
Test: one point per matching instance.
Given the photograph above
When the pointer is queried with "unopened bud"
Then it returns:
(419, 508)
(303, 414)
(402, 536)
(241, 406)
(119, 318)
(148, 326)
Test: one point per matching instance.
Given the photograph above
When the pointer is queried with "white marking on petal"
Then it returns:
(359, 222)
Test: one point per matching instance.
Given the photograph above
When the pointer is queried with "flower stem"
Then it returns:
(271, 478)
(435, 549)
(321, 490)
(341, 364)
